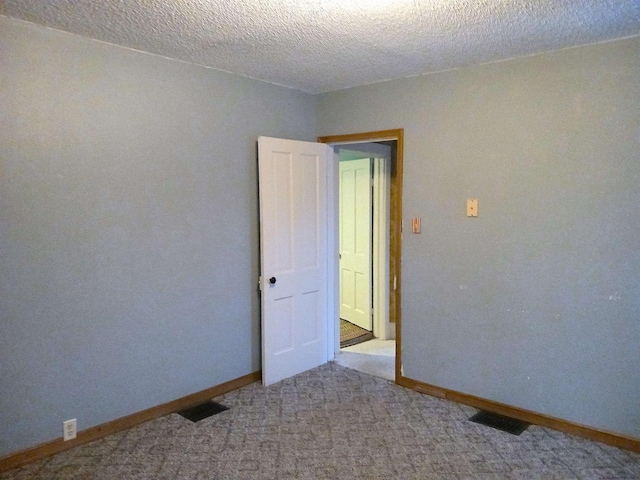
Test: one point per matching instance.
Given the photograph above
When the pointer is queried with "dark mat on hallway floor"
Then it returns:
(351, 334)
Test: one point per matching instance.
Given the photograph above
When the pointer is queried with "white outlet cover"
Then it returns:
(69, 429)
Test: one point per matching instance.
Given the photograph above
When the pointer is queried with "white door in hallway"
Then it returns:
(293, 178)
(355, 242)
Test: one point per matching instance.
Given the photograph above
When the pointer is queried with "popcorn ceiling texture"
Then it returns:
(324, 45)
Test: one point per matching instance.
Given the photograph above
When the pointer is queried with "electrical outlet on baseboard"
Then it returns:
(69, 429)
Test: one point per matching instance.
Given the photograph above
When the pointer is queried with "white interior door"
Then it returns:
(294, 221)
(355, 242)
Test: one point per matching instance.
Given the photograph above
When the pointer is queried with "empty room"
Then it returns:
(169, 235)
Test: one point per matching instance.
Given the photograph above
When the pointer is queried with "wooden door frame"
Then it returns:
(395, 237)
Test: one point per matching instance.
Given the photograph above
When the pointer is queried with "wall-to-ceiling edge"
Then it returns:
(128, 213)
(533, 303)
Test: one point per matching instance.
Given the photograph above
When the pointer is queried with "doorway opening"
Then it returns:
(363, 217)
(369, 180)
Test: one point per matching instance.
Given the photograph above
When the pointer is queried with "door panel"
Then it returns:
(355, 242)
(293, 246)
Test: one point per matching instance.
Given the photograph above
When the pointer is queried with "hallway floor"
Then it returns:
(375, 357)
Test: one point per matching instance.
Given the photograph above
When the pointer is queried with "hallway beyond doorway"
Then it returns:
(375, 357)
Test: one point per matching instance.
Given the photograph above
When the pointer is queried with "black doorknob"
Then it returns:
(272, 280)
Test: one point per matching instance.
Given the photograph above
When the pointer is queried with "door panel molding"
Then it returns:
(381, 326)
(355, 242)
(294, 236)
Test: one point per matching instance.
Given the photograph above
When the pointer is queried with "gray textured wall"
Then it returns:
(129, 232)
(536, 302)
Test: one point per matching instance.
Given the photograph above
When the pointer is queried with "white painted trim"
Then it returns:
(333, 257)
(381, 219)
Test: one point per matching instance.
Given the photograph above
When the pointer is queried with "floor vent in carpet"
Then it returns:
(202, 411)
(506, 424)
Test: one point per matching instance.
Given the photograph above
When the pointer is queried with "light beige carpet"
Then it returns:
(334, 423)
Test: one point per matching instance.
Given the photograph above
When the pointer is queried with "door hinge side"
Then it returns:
(395, 282)
(260, 282)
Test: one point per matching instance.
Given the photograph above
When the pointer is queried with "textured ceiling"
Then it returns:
(323, 45)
